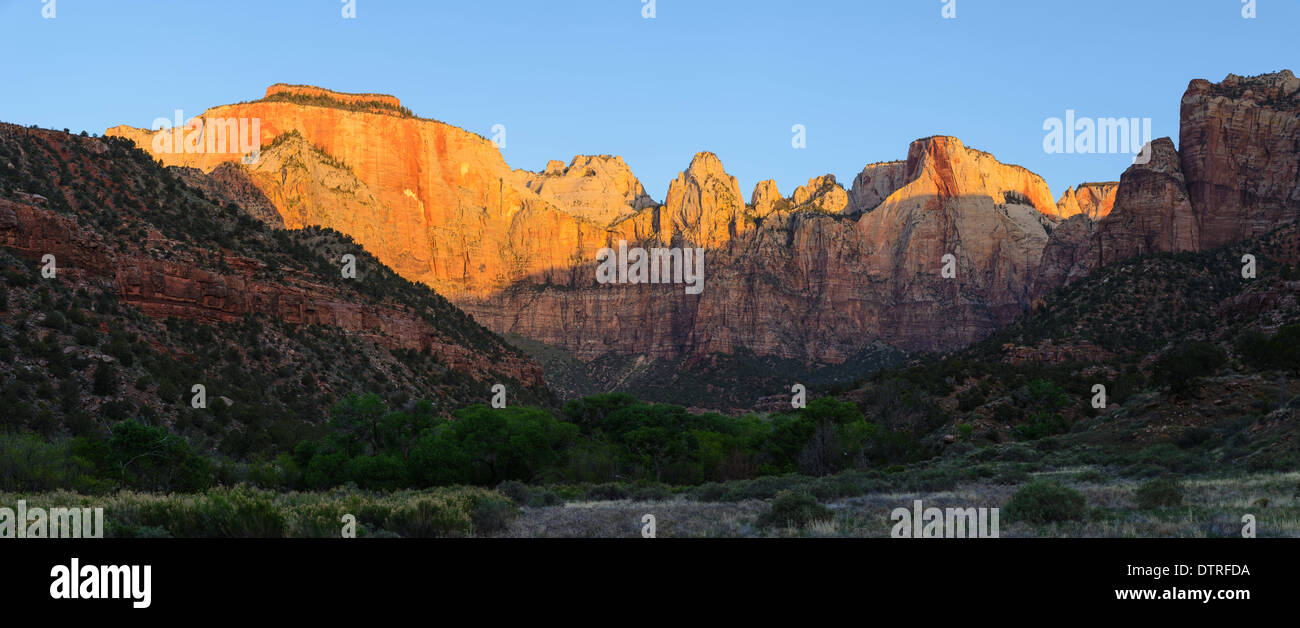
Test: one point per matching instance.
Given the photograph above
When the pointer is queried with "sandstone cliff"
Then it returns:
(455, 216)
(875, 183)
(802, 277)
(704, 206)
(821, 194)
(1236, 175)
(766, 198)
(1094, 200)
(1240, 148)
(601, 188)
(816, 276)
(812, 285)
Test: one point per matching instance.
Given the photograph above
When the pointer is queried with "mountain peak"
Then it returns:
(943, 166)
(599, 188)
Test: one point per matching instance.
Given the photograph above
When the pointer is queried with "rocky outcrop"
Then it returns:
(1236, 175)
(875, 183)
(766, 199)
(517, 249)
(35, 232)
(310, 188)
(1240, 147)
(229, 183)
(601, 188)
(1152, 213)
(1094, 200)
(958, 202)
(1069, 254)
(704, 205)
(281, 90)
(1152, 210)
(1050, 352)
(947, 168)
(821, 194)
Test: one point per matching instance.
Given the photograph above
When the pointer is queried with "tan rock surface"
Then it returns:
(766, 198)
(875, 183)
(821, 194)
(600, 188)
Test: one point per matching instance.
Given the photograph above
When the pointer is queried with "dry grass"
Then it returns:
(1211, 508)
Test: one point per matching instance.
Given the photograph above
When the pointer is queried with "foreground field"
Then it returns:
(1210, 507)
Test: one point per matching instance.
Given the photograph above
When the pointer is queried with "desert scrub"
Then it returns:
(218, 512)
(492, 514)
(1160, 493)
(1045, 501)
(793, 510)
(244, 512)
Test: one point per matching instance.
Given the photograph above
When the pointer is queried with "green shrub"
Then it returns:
(1182, 367)
(793, 510)
(541, 499)
(1045, 501)
(105, 382)
(608, 492)
(1160, 493)
(29, 462)
(516, 491)
(1280, 351)
(448, 513)
(238, 512)
(492, 514)
(650, 494)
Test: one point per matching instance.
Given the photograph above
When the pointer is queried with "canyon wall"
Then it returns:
(817, 276)
(1235, 175)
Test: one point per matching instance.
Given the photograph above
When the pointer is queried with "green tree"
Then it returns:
(1183, 366)
(356, 421)
(106, 381)
(1044, 400)
(151, 458)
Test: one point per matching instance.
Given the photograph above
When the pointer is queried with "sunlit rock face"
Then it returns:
(1094, 200)
(819, 275)
(1234, 175)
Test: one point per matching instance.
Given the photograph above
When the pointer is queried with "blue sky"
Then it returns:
(865, 77)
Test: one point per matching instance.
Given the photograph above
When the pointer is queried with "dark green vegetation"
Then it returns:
(1160, 493)
(598, 439)
(243, 512)
(793, 510)
(1044, 501)
(294, 136)
(594, 441)
(1194, 360)
(325, 100)
(723, 382)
